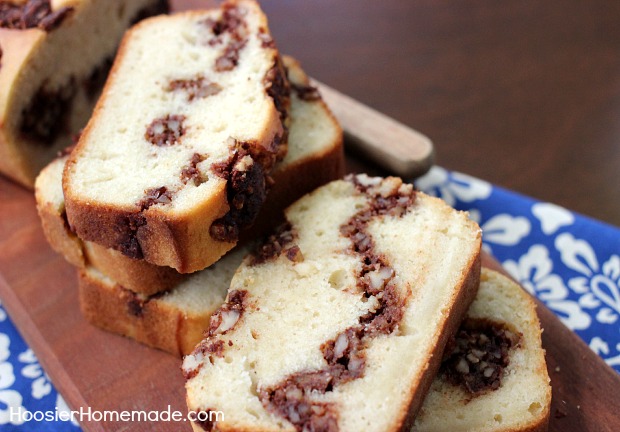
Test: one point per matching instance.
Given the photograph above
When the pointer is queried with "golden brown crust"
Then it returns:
(136, 275)
(60, 238)
(470, 282)
(116, 309)
(182, 241)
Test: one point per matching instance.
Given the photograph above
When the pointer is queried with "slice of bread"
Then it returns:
(175, 159)
(502, 321)
(172, 321)
(175, 323)
(338, 321)
(54, 58)
(315, 157)
(138, 275)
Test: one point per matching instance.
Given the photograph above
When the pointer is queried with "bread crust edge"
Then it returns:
(470, 282)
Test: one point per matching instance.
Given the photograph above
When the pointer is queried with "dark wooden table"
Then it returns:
(522, 93)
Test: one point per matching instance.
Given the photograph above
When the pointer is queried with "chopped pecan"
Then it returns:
(165, 131)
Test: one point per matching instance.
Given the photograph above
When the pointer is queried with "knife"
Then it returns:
(389, 143)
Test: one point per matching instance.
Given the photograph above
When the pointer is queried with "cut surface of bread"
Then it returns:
(173, 321)
(55, 56)
(338, 321)
(521, 401)
(315, 157)
(175, 159)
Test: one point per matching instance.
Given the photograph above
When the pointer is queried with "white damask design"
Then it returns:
(505, 230)
(2, 313)
(552, 217)
(600, 347)
(598, 286)
(62, 407)
(9, 398)
(474, 214)
(5, 344)
(41, 385)
(451, 186)
(534, 272)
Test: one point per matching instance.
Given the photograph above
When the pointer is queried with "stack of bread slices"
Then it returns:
(340, 313)
(235, 152)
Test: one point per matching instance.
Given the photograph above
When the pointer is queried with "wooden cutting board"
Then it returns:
(102, 371)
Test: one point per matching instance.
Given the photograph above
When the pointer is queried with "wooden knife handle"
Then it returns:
(387, 142)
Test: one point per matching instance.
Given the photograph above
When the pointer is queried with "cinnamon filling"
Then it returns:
(345, 355)
(166, 131)
(228, 315)
(128, 243)
(32, 14)
(136, 302)
(153, 196)
(231, 22)
(204, 419)
(222, 321)
(306, 92)
(199, 87)
(191, 173)
(276, 244)
(246, 190)
(278, 88)
(47, 115)
(477, 356)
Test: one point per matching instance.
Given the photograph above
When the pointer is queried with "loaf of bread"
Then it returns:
(54, 58)
(338, 321)
(493, 377)
(175, 160)
(315, 157)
